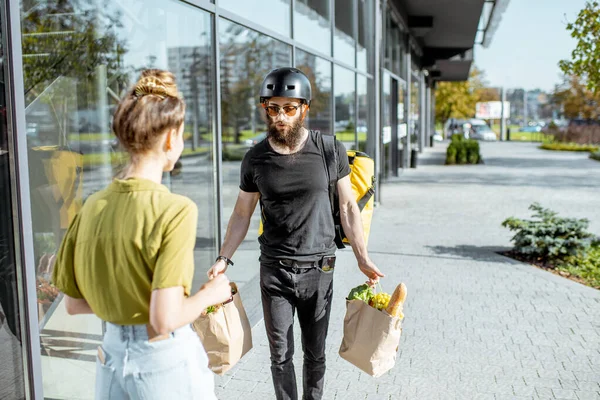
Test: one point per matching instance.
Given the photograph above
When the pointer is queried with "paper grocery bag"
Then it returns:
(225, 334)
(371, 338)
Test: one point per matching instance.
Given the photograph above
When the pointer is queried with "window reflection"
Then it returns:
(345, 119)
(318, 72)
(343, 40)
(272, 14)
(394, 47)
(311, 21)
(386, 125)
(12, 384)
(363, 121)
(75, 71)
(415, 110)
(246, 57)
(365, 35)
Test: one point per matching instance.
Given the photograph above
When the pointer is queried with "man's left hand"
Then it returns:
(371, 271)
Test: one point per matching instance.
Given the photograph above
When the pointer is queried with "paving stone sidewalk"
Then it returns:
(478, 325)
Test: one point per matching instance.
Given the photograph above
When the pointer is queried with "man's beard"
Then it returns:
(290, 136)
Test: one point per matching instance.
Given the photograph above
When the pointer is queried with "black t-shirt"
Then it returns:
(294, 198)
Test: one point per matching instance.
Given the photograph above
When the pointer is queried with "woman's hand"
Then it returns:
(217, 290)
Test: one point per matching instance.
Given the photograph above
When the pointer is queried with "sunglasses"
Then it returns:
(273, 111)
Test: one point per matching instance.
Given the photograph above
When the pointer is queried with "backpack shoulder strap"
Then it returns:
(330, 157)
(329, 152)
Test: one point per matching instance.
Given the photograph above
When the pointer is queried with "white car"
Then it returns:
(482, 132)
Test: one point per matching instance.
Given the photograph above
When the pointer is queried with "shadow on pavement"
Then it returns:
(476, 253)
(559, 163)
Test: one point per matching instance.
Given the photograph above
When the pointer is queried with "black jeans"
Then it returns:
(285, 290)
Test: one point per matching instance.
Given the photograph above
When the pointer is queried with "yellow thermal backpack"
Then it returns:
(362, 179)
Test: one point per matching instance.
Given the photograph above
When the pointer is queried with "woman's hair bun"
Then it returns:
(151, 85)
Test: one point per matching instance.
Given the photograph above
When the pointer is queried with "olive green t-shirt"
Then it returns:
(127, 240)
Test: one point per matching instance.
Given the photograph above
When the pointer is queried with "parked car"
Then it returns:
(454, 125)
(482, 132)
(255, 139)
(531, 128)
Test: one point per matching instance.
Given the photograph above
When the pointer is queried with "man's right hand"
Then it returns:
(217, 290)
(218, 268)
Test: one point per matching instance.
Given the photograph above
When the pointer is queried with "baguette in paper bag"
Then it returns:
(371, 338)
(225, 334)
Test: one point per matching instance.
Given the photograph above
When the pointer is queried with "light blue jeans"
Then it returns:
(134, 368)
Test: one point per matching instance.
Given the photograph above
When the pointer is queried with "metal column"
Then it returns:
(21, 201)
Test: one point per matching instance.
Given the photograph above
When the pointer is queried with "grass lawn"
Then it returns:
(517, 136)
(558, 146)
(120, 157)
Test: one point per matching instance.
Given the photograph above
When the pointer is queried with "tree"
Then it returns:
(458, 99)
(488, 94)
(585, 59)
(576, 100)
(63, 38)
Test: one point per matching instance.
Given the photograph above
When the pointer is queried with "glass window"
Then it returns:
(345, 119)
(386, 125)
(74, 75)
(394, 47)
(363, 121)
(272, 14)
(365, 43)
(318, 71)
(246, 57)
(12, 385)
(400, 112)
(415, 109)
(343, 40)
(311, 20)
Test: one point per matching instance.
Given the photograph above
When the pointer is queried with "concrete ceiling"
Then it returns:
(454, 21)
(446, 31)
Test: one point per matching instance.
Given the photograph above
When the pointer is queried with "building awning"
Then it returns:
(447, 31)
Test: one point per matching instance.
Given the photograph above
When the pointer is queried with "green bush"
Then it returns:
(462, 151)
(472, 151)
(234, 152)
(461, 154)
(557, 146)
(451, 155)
(586, 268)
(595, 156)
(549, 236)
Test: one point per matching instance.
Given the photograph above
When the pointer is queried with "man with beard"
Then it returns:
(287, 173)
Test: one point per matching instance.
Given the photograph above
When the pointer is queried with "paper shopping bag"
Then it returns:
(371, 338)
(225, 334)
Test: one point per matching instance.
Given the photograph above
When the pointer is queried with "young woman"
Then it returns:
(128, 258)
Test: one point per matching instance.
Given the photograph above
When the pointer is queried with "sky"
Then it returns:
(530, 41)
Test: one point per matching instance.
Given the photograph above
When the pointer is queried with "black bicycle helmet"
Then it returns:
(286, 82)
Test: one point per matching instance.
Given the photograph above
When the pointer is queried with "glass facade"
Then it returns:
(344, 44)
(363, 119)
(394, 58)
(273, 14)
(78, 59)
(311, 20)
(318, 71)
(415, 109)
(71, 88)
(345, 106)
(366, 44)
